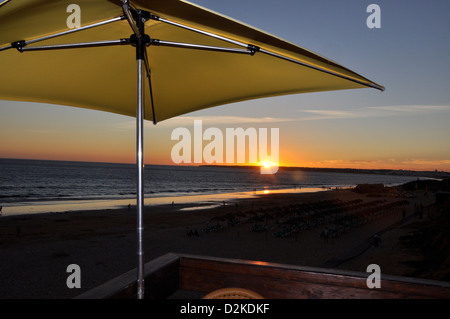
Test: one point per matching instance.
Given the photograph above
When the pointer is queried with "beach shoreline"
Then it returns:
(35, 249)
(64, 206)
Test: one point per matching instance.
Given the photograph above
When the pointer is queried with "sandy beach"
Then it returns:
(36, 249)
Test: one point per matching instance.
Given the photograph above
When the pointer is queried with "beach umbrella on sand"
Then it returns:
(188, 58)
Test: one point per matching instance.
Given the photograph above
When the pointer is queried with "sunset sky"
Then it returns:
(405, 127)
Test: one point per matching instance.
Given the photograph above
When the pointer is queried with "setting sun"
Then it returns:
(267, 164)
(268, 167)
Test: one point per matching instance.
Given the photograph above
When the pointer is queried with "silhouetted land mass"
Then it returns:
(429, 174)
(432, 238)
(428, 185)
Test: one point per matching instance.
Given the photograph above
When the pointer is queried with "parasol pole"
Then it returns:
(140, 40)
(140, 178)
(140, 56)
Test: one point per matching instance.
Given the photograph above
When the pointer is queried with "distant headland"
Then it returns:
(428, 174)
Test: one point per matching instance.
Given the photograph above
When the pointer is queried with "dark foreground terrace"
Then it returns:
(178, 276)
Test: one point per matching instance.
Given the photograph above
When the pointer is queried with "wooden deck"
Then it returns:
(171, 273)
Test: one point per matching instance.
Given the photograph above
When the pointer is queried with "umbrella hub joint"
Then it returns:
(140, 40)
(19, 45)
(253, 49)
(143, 40)
(140, 15)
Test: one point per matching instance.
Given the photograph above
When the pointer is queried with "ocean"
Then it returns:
(39, 182)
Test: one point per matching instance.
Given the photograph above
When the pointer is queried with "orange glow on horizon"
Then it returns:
(159, 159)
(90, 146)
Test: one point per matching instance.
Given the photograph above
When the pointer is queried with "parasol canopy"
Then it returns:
(183, 78)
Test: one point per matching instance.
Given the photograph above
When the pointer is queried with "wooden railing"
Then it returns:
(174, 272)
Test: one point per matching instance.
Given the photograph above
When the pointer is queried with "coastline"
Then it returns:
(110, 186)
(36, 249)
(14, 209)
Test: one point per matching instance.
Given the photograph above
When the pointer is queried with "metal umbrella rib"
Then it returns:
(253, 49)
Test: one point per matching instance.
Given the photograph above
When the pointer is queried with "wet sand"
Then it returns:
(35, 250)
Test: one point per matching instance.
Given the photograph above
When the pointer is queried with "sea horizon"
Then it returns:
(436, 173)
(38, 186)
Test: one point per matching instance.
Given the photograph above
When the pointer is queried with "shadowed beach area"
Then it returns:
(331, 229)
